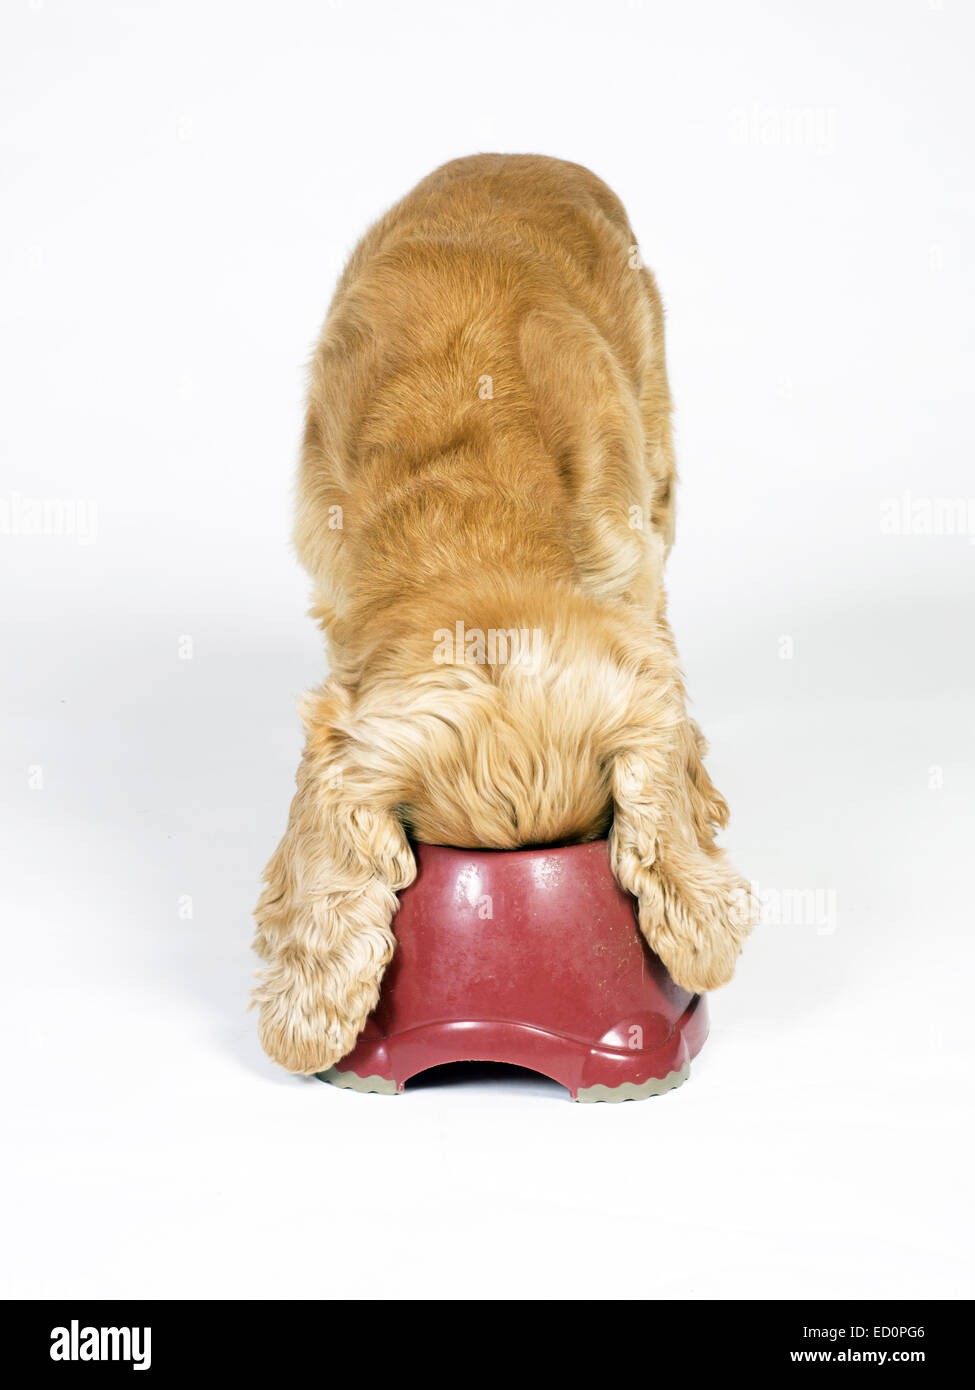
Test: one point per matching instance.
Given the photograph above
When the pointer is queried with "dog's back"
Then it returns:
(491, 370)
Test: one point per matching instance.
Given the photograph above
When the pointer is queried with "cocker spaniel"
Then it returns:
(486, 501)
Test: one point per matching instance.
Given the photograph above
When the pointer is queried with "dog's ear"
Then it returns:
(708, 807)
(695, 910)
(324, 917)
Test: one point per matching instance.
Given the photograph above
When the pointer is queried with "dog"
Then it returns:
(485, 506)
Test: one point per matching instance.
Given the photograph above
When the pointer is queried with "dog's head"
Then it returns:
(567, 726)
(476, 731)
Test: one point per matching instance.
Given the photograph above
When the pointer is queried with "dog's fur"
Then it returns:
(488, 442)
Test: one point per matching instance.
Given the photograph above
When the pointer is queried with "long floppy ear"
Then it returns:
(324, 917)
(695, 909)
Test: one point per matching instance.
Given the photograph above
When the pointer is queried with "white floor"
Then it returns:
(158, 309)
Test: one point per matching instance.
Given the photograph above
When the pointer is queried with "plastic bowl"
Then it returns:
(532, 957)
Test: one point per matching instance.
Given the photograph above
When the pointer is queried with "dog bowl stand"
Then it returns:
(533, 958)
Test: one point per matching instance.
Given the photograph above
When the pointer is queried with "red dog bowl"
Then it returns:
(531, 957)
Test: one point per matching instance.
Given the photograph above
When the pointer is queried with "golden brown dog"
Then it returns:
(485, 505)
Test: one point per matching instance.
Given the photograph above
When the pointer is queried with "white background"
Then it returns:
(182, 183)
